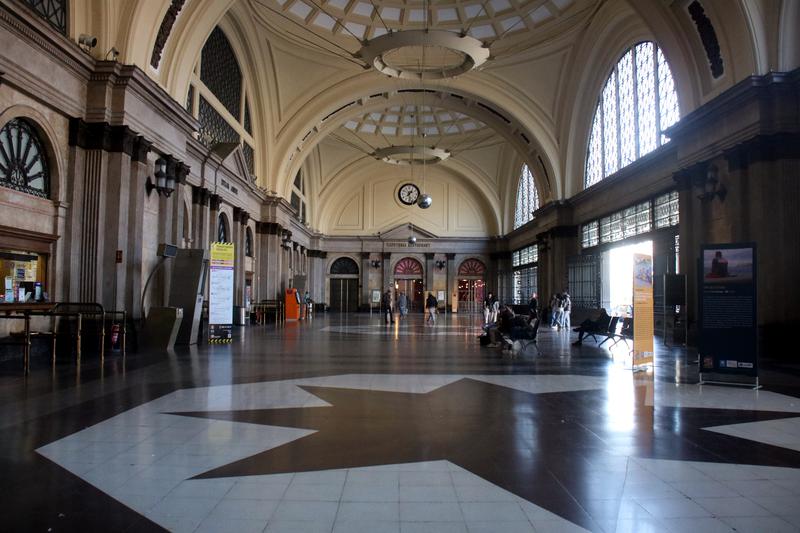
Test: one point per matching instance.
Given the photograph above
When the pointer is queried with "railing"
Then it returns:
(262, 308)
(74, 310)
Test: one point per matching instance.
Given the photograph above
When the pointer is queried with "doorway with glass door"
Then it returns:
(471, 286)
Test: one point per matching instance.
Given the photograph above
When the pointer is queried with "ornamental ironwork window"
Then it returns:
(666, 210)
(222, 229)
(472, 267)
(248, 243)
(220, 71)
(525, 256)
(53, 11)
(23, 166)
(637, 103)
(213, 127)
(526, 282)
(298, 197)
(408, 267)
(344, 266)
(249, 157)
(527, 198)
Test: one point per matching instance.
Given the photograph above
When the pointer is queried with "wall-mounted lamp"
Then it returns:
(440, 264)
(286, 239)
(164, 183)
(711, 186)
(87, 42)
(375, 263)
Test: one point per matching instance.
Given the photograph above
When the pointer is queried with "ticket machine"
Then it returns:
(291, 304)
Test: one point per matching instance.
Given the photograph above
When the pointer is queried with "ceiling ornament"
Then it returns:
(411, 155)
(424, 54)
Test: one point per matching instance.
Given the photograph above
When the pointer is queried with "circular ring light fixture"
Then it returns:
(411, 155)
(395, 54)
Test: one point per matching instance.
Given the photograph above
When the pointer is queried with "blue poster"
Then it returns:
(728, 341)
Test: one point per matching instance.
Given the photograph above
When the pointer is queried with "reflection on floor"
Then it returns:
(343, 424)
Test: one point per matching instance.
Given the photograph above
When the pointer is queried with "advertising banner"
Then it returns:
(220, 293)
(728, 341)
(642, 309)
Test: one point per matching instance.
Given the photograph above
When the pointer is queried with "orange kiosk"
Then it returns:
(291, 304)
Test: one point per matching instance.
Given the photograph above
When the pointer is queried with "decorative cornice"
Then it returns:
(102, 136)
(317, 253)
(386, 255)
(365, 255)
(244, 218)
(214, 201)
(450, 256)
(164, 30)
(763, 148)
(200, 195)
(752, 88)
(429, 256)
(181, 172)
(141, 147)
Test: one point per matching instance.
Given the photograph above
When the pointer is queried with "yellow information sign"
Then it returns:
(642, 309)
(222, 254)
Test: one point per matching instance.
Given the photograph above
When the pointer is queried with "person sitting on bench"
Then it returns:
(589, 326)
(502, 327)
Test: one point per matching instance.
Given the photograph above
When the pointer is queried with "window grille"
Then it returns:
(527, 198)
(23, 166)
(220, 72)
(53, 11)
(636, 104)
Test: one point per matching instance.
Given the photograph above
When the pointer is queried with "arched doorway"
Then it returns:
(343, 286)
(471, 285)
(408, 279)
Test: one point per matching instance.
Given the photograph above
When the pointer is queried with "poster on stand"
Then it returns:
(642, 309)
(220, 293)
(728, 341)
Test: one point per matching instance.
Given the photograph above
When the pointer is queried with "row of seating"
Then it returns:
(619, 329)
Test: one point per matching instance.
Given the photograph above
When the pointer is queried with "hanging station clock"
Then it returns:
(408, 193)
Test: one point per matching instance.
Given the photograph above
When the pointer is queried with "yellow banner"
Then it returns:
(222, 254)
(642, 309)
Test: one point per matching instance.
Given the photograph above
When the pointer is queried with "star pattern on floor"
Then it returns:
(532, 445)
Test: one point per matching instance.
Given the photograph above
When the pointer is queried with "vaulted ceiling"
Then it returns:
(319, 106)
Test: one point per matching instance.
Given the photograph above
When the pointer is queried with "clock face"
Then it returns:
(408, 194)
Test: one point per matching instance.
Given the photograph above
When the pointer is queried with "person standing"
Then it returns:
(566, 305)
(487, 307)
(402, 304)
(555, 310)
(386, 307)
(430, 305)
(533, 314)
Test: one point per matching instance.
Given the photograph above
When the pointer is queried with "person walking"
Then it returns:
(430, 305)
(402, 304)
(386, 307)
(533, 314)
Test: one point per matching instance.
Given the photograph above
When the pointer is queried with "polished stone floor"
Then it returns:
(344, 424)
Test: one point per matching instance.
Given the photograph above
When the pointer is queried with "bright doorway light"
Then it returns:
(621, 275)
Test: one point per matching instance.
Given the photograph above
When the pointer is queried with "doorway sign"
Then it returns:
(642, 309)
(220, 293)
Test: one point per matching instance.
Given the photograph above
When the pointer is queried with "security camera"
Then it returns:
(89, 41)
(113, 52)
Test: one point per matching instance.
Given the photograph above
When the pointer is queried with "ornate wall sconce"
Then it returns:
(164, 183)
(375, 263)
(440, 264)
(711, 186)
(286, 240)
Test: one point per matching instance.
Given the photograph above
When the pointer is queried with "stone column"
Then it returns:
(388, 276)
(366, 267)
(452, 280)
(429, 267)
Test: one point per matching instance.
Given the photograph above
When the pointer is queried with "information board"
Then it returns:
(220, 293)
(642, 309)
(727, 295)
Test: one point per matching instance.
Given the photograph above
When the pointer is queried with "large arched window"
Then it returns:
(223, 107)
(638, 102)
(527, 198)
(222, 228)
(23, 166)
